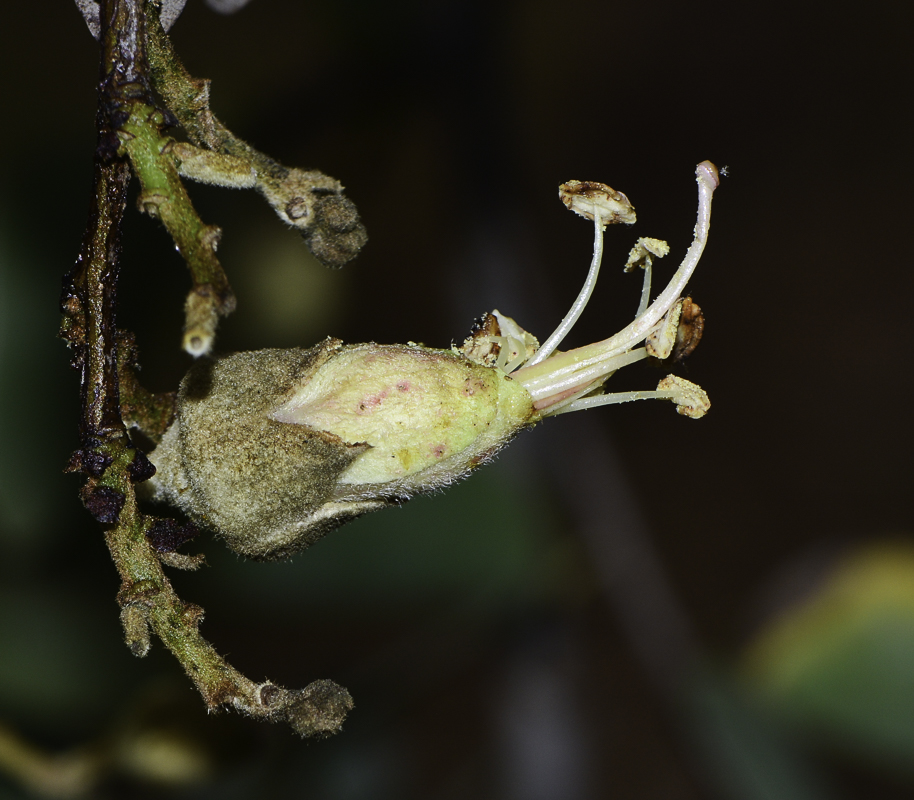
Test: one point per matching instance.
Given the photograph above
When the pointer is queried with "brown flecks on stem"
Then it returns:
(103, 502)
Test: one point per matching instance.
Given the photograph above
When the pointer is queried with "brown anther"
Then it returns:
(587, 197)
(478, 346)
(691, 327)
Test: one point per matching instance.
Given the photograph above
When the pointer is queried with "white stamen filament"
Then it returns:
(645, 290)
(550, 345)
(617, 397)
(551, 379)
(509, 346)
(580, 383)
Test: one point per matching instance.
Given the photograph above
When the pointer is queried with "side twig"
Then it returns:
(308, 200)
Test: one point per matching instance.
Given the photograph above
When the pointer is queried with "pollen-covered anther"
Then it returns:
(498, 341)
(691, 328)
(589, 198)
(481, 346)
(690, 399)
(641, 255)
(660, 343)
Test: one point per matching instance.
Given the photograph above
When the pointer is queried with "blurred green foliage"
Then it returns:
(839, 665)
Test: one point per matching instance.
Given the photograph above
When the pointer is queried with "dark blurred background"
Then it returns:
(628, 604)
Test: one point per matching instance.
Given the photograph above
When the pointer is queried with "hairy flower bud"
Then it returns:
(275, 448)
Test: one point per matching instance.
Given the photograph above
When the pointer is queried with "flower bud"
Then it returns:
(275, 448)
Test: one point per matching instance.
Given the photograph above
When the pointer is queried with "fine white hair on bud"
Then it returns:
(274, 448)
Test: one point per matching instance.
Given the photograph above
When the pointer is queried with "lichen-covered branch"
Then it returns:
(130, 140)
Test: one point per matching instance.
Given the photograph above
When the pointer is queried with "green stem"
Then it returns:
(163, 196)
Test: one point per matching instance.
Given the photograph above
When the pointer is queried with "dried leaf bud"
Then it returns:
(275, 448)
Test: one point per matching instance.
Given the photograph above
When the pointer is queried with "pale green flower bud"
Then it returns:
(274, 448)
